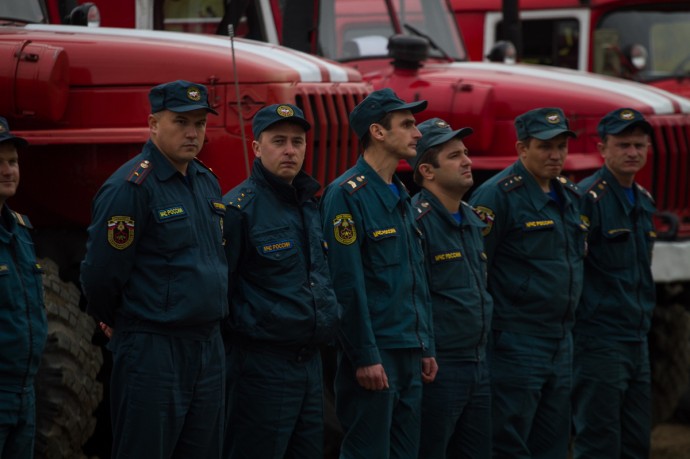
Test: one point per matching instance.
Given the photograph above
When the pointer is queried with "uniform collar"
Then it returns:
(303, 186)
(468, 217)
(163, 168)
(374, 180)
(537, 196)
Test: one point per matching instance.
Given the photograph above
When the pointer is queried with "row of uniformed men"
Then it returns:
(409, 300)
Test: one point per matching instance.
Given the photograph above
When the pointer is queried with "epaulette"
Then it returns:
(200, 163)
(511, 182)
(140, 172)
(598, 189)
(644, 191)
(241, 198)
(568, 185)
(22, 220)
(423, 207)
(354, 183)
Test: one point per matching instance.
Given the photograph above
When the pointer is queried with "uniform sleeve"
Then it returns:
(347, 271)
(489, 203)
(234, 235)
(119, 219)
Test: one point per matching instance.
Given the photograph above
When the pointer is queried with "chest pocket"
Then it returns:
(173, 230)
(385, 246)
(539, 238)
(618, 247)
(449, 269)
(277, 250)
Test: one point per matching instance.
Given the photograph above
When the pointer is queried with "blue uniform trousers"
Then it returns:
(381, 424)
(275, 404)
(167, 395)
(456, 412)
(611, 398)
(531, 379)
(17, 424)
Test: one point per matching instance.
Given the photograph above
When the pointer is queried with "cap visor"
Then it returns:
(459, 134)
(189, 108)
(641, 123)
(414, 107)
(18, 142)
(551, 133)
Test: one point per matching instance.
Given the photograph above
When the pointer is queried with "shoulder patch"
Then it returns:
(569, 185)
(354, 183)
(511, 182)
(344, 229)
(598, 189)
(241, 198)
(644, 191)
(423, 207)
(140, 172)
(22, 220)
(120, 231)
(200, 163)
(486, 215)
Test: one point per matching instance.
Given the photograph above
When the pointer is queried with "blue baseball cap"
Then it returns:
(179, 96)
(619, 120)
(7, 136)
(377, 105)
(272, 114)
(435, 131)
(542, 123)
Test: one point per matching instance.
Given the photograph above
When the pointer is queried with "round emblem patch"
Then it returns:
(120, 232)
(627, 115)
(285, 111)
(344, 229)
(442, 124)
(194, 94)
(553, 118)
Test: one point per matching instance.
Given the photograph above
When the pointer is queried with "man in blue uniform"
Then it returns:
(456, 408)
(377, 263)
(156, 273)
(535, 242)
(612, 381)
(282, 304)
(23, 326)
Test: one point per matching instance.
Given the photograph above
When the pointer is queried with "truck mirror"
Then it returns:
(85, 15)
(503, 51)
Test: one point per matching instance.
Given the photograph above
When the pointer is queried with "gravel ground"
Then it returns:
(671, 441)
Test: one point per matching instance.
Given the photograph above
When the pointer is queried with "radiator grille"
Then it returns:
(333, 145)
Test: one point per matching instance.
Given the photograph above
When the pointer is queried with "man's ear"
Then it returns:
(426, 170)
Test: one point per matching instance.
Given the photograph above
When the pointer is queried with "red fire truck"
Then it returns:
(642, 40)
(79, 96)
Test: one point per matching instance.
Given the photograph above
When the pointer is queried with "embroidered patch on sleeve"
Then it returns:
(487, 216)
(344, 229)
(120, 232)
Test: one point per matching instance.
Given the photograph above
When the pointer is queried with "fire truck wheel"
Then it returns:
(67, 392)
(669, 345)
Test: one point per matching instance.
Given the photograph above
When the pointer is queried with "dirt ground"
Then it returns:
(671, 441)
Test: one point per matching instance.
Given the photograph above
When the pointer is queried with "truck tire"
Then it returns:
(67, 392)
(669, 350)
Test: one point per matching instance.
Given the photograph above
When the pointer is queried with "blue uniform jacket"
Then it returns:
(619, 294)
(280, 286)
(377, 263)
(457, 276)
(155, 258)
(23, 326)
(535, 248)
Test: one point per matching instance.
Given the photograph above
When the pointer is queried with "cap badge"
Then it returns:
(627, 115)
(553, 118)
(285, 111)
(442, 124)
(2, 128)
(194, 94)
